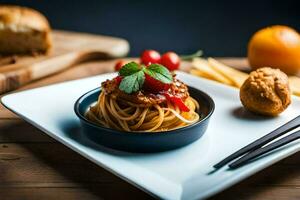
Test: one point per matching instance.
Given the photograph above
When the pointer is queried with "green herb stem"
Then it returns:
(198, 53)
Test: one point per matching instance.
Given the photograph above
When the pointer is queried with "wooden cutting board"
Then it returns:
(69, 49)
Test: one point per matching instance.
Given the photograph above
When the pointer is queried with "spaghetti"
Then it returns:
(121, 114)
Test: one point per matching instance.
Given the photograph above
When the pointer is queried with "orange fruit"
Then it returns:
(276, 47)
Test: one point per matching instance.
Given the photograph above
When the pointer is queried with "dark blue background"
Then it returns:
(220, 28)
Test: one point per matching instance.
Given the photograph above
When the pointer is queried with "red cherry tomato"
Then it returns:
(118, 79)
(119, 65)
(153, 85)
(150, 57)
(170, 60)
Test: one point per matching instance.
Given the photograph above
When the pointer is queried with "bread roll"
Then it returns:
(266, 92)
(23, 30)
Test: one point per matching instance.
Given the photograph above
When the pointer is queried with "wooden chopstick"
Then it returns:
(261, 141)
(258, 152)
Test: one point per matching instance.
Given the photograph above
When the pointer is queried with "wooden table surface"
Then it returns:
(35, 166)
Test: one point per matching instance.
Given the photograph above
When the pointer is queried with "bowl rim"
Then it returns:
(202, 120)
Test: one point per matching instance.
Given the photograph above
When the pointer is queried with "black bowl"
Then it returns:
(144, 141)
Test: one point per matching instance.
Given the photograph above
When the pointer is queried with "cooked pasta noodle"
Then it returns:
(127, 116)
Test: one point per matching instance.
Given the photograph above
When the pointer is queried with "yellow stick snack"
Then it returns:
(236, 76)
(203, 66)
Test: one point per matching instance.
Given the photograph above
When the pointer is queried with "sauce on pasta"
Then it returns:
(144, 110)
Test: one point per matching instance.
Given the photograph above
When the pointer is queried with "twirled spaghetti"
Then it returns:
(121, 114)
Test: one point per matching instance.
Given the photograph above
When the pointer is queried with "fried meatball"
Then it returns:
(266, 92)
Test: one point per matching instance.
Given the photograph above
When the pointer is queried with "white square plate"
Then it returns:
(185, 173)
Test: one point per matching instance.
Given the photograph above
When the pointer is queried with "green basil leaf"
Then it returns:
(160, 73)
(133, 82)
(129, 69)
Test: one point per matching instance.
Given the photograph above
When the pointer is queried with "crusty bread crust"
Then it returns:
(23, 30)
(22, 16)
